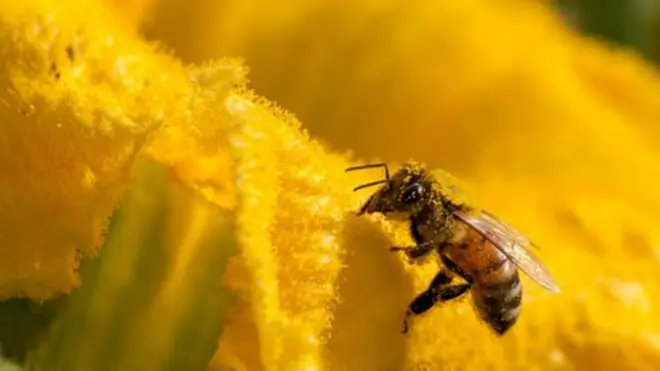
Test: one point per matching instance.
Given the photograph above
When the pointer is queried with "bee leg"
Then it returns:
(439, 290)
(414, 252)
(429, 298)
(455, 268)
(364, 207)
(421, 249)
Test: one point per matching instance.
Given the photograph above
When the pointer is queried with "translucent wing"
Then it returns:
(512, 232)
(512, 243)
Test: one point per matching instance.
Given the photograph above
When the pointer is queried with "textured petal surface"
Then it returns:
(79, 100)
(552, 132)
(556, 133)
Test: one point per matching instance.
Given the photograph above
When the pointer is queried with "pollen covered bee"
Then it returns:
(473, 244)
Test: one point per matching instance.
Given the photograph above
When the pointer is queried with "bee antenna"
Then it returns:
(369, 166)
(371, 184)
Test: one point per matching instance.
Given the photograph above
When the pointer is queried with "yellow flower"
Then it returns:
(189, 116)
(75, 113)
(555, 132)
(552, 131)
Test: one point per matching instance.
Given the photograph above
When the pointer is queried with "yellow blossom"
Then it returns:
(552, 131)
(75, 112)
(81, 101)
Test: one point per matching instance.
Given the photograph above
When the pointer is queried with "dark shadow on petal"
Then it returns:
(23, 323)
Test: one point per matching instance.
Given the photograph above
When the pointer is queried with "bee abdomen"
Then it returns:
(499, 303)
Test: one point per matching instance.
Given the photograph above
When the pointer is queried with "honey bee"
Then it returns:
(473, 245)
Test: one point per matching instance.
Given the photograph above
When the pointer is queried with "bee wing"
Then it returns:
(512, 243)
(510, 231)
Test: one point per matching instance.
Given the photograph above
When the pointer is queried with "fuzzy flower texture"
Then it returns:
(556, 133)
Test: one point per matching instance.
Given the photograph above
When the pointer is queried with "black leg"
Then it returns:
(422, 247)
(438, 291)
(414, 252)
(364, 207)
(455, 268)
(417, 237)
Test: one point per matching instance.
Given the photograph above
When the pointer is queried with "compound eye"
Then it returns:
(412, 193)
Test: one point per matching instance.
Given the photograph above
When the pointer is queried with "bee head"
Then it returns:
(406, 191)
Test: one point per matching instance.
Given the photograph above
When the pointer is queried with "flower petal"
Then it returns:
(79, 100)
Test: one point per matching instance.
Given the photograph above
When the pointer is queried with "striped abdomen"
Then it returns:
(496, 287)
(498, 297)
